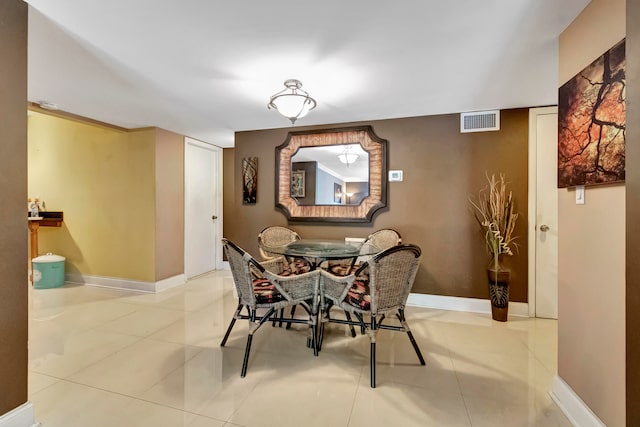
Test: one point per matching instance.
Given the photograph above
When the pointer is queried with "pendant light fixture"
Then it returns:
(347, 157)
(292, 102)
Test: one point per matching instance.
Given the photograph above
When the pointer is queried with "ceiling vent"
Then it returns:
(480, 121)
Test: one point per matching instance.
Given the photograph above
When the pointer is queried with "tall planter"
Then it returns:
(498, 278)
(494, 209)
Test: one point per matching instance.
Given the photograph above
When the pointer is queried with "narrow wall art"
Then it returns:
(298, 184)
(249, 180)
(592, 122)
(337, 193)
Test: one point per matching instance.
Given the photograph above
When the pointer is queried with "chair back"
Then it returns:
(294, 288)
(384, 239)
(241, 262)
(275, 236)
(391, 276)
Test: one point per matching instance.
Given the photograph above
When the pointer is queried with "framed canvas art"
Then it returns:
(337, 193)
(249, 180)
(592, 123)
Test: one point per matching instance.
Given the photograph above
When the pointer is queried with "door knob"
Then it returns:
(214, 217)
(544, 228)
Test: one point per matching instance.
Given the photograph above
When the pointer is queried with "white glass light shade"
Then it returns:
(348, 158)
(292, 106)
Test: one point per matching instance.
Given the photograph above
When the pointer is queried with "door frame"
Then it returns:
(532, 208)
(218, 264)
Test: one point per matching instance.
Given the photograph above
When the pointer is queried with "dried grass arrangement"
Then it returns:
(494, 209)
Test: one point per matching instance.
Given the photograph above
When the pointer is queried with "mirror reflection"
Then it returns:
(330, 175)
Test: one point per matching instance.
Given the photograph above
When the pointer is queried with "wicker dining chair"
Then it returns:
(260, 288)
(379, 288)
(384, 238)
(275, 236)
(280, 236)
(381, 239)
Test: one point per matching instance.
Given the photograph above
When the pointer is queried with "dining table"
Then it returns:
(317, 251)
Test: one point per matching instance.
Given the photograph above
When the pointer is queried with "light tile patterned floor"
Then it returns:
(103, 357)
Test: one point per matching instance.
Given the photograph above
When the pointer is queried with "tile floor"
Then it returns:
(104, 357)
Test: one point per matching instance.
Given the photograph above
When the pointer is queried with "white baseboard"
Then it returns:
(171, 282)
(473, 305)
(131, 285)
(22, 416)
(225, 265)
(573, 407)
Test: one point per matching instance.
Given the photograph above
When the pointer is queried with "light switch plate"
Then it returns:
(579, 194)
(395, 176)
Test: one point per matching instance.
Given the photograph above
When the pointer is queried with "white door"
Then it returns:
(543, 234)
(203, 212)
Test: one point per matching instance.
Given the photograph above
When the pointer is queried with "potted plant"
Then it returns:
(494, 209)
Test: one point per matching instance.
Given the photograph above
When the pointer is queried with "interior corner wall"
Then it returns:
(103, 179)
(13, 193)
(169, 212)
(442, 168)
(633, 214)
(591, 248)
(228, 189)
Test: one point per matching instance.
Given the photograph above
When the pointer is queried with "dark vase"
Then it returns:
(498, 277)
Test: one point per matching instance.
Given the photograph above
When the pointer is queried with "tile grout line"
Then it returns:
(140, 399)
(355, 395)
(464, 400)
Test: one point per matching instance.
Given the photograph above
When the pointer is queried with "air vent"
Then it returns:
(480, 121)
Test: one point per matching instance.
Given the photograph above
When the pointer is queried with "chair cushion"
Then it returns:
(266, 292)
(359, 294)
(339, 268)
(295, 266)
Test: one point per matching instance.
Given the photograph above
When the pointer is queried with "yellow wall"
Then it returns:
(104, 181)
(591, 249)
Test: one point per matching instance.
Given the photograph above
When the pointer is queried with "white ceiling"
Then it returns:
(206, 68)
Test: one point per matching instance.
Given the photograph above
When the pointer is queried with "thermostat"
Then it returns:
(395, 176)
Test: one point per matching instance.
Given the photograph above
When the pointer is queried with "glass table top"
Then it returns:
(327, 249)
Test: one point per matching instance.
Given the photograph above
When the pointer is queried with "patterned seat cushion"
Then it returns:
(359, 294)
(266, 292)
(342, 268)
(295, 266)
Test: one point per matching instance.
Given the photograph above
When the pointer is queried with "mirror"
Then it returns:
(335, 175)
(330, 175)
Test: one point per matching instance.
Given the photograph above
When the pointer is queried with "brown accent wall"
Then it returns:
(13, 193)
(442, 168)
(591, 248)
(633, 214)
(169, 249)
(360, 190)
